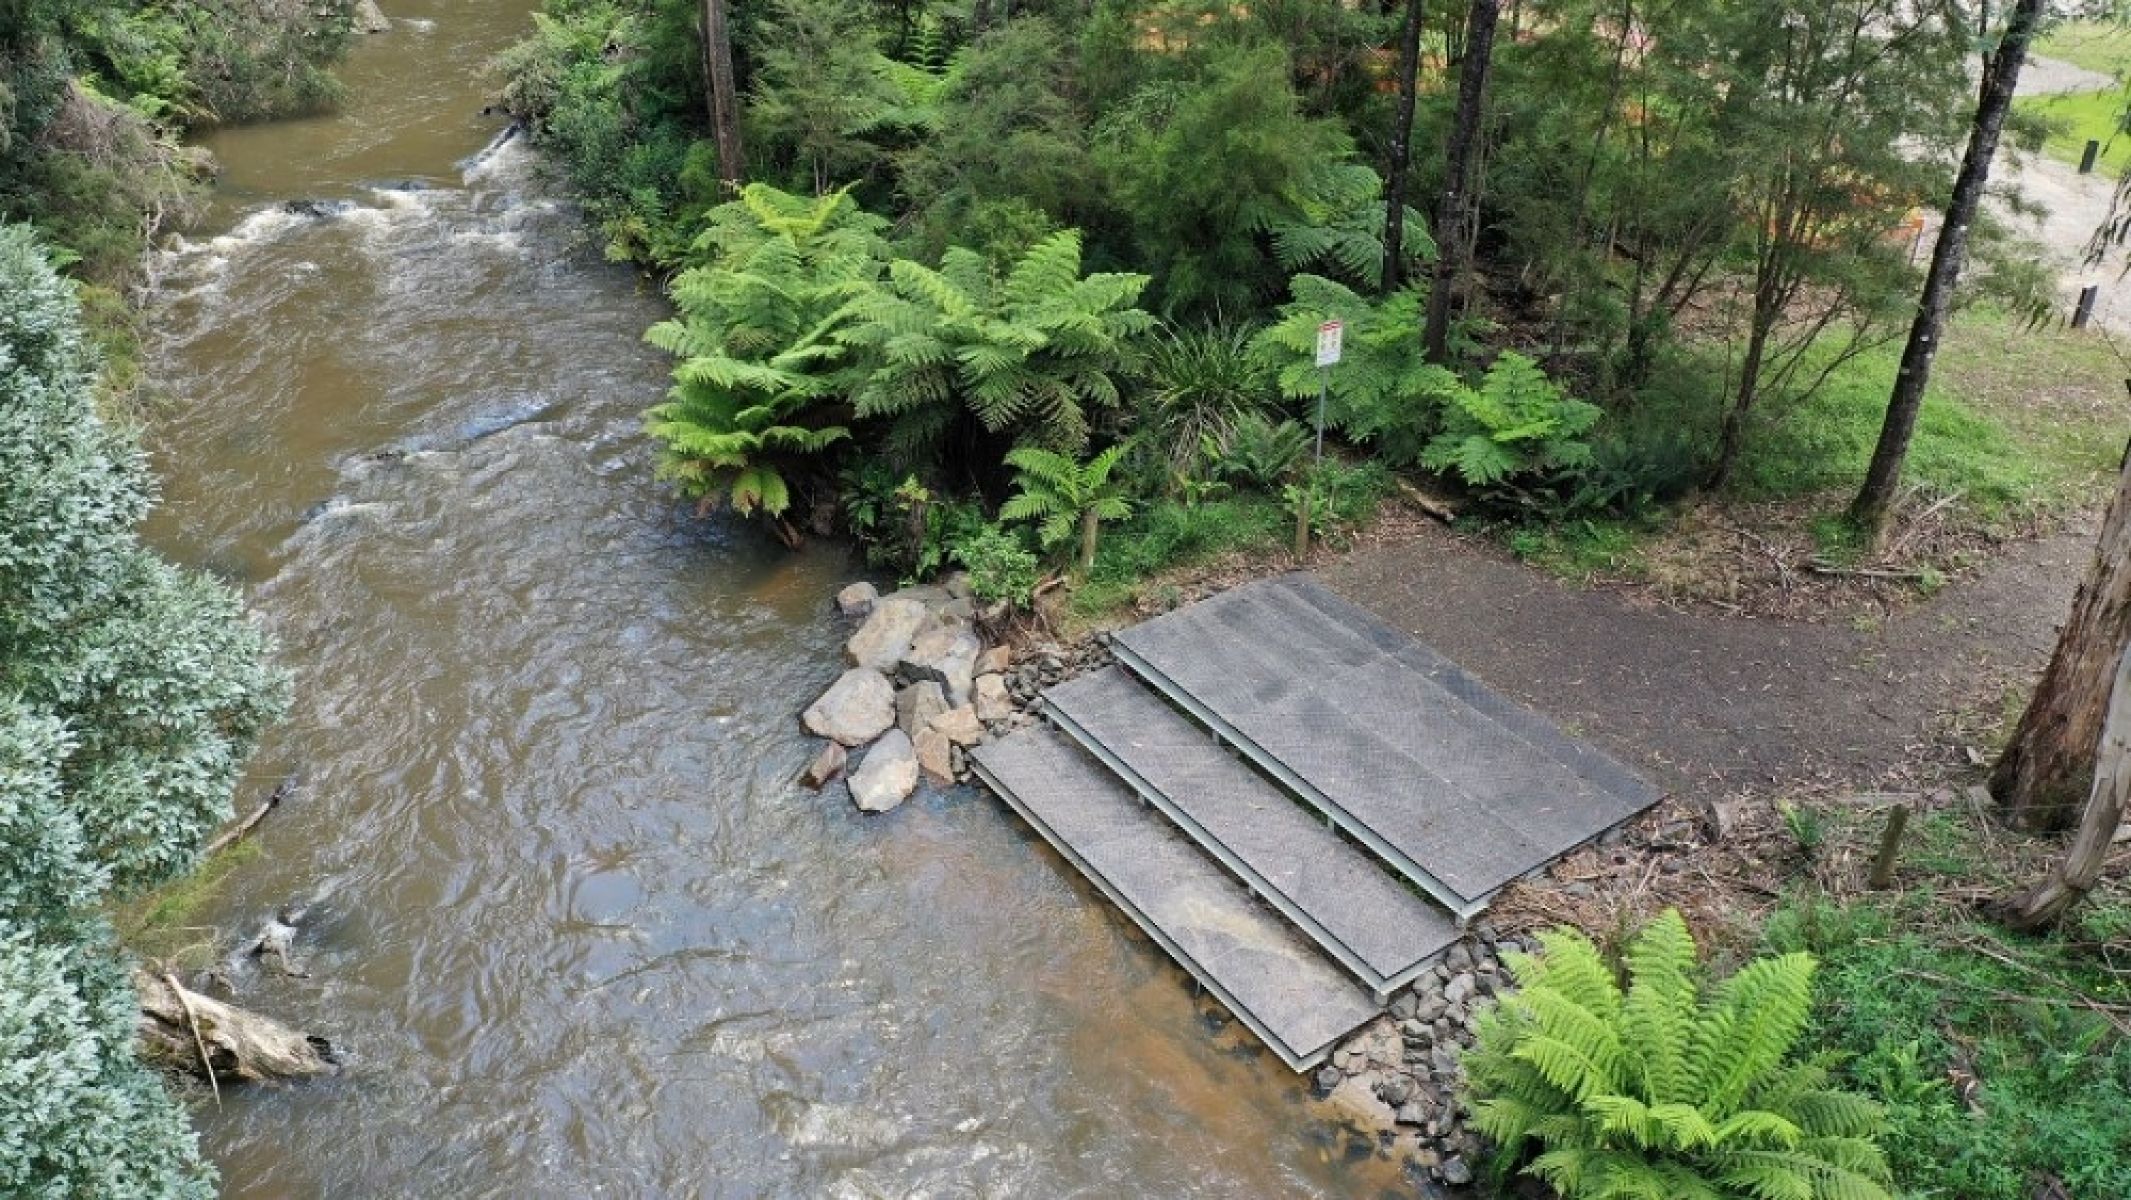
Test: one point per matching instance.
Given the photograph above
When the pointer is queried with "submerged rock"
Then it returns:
(887, 775)
(855, 709)
(881, 642)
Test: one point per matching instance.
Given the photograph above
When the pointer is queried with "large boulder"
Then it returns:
(370, 19)
(855, 709)
(880, 643)
(945, 652)
(916, 706)
(887, 775)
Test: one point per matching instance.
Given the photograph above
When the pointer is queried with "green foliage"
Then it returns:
(1027, 354)
(824, 96)
(756, 332)
(1169, 534)
(1056, 494)
(1910, 1009)
(1669, 1088)
(1199, 383)
(1383, 393)
(130, 695)
(1257, 450)
(1516, 423)
(1001, 568)
(1337, 226)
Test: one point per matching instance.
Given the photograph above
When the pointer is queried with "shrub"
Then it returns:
(1258, 451)
(1667, 1089)
(1200, 383)
(1000, 567)
(1056, 493)
(1383, 392)
(1516, 423)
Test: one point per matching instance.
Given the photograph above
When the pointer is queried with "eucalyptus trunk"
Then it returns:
(724, 94)
(2073, 876)
(2001, 75)
(2046, 769)
(1452, 245)
(1409, 72)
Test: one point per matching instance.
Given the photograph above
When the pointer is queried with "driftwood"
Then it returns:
(1428, 504)
(182, 1029)
(242, 829)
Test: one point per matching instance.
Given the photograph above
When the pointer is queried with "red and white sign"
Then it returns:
(1330, 336)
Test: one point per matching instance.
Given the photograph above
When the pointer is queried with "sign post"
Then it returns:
(1331, 338)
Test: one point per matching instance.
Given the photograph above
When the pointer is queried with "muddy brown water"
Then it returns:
(578, 931)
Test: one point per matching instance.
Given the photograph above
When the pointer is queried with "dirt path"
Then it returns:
(2072, 205)
(1712, 703)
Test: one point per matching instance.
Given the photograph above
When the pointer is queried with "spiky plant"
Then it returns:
(1027, 354)
(1258, 450)
(761, 369)
(1055, 493)
(1668, 1090)
(1199, 383)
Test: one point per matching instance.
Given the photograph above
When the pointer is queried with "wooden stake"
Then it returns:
(1890, 845)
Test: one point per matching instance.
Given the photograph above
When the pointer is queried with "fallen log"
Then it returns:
(242, 829)
(186, 1031)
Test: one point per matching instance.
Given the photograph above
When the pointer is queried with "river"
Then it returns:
(578, 930)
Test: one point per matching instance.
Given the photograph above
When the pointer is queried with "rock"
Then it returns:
(957, 585)
(887, 775)
(945, 652)
(916, 705)
(857, 599)
(1328, 1077)
(880, 642)
(960, 725)
(371, 19)
(1429, 1008)
(1411, 1113)
(956, 610)
(1455, 1171)
(1395, 1091)
(1402, 1006)
(995, 661)
(855, 709)
(1458, 959)
(1458, 1014)
(935, 755)
(827, 765)
(1458, 989)
(929, 595)
(991, 698)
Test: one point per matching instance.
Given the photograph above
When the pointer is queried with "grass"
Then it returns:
(2103, 46)
(2074, 118)
(157, 923)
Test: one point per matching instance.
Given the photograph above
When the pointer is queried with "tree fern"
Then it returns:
(1666, 1089)
(1382, 392)
(1056, 493)
(1517, 422)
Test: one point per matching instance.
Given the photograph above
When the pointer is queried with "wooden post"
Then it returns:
(2087, 157)
(2085, 312)
(1890, 845)
(1302, 528)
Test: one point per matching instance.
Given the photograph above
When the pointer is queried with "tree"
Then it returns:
(2073, 876)
(131, 694)
(2001, 75)
(762, 376)
(2047, 767)
(1454, 256)
(822, 94)
(1058, 493)
(723, 90)
(1409, 71)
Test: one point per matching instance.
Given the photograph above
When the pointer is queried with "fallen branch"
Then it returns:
(242, 829)
(1819, 567)
(1427, 503)
(183, 1029)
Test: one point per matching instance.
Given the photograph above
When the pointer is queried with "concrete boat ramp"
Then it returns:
(1300, 805)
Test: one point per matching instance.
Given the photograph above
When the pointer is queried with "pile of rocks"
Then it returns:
(1401, 1071)
(923, 688)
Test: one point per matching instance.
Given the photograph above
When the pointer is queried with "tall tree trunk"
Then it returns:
(1731, 441)
(1451, 242)
(2046, 768)
(2080, 869)
(1409, 74)
(724, 99)
(981, 19)
(2001, 74)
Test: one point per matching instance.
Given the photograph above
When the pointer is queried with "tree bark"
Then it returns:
(2046, 768)
(1409, 74)
(2068, 882)
(185, 1030)
(2001, 74)
(1090, 530)
(724, 100)
(981, 18)
(1451, 242)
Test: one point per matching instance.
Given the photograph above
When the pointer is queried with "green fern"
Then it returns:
(1257, 450)
(761, 369)
(1334, 220)
(1057, 493)
(1517, 422)
(1666, 1089)
(1382, 392)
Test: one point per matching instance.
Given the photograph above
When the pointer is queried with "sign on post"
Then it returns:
(1330, 335)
